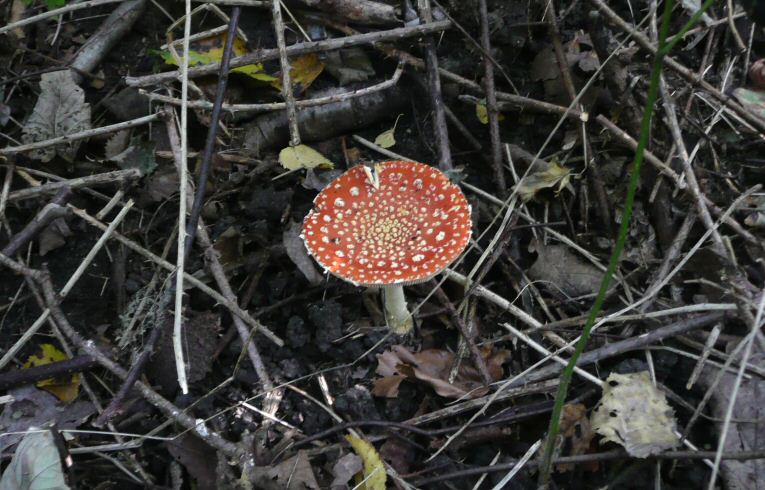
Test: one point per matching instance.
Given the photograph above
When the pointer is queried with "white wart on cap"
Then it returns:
(404, 230)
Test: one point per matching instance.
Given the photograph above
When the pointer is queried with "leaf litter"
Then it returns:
(433, 367)
(253, 209)
(65, 388)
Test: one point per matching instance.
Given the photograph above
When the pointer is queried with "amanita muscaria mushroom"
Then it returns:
(401, 223)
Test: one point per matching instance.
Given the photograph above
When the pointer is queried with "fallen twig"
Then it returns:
(593, 170)
(289, 96)
(6, 187)
(55, 13)
(114, 177)
(34, 374)
(491, 102)
(296, 50)
(190, 279)
(655, 161)
(88, 346)
(441, 132)
(614, 455)
(357, 11)
(633, 343)
(276, 106)
(73, 279)
(113, 128)
(246, 334)
(675, 66)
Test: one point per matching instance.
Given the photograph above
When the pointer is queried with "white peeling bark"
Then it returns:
(396, 313)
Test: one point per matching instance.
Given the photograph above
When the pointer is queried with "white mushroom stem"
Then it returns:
(396, 312)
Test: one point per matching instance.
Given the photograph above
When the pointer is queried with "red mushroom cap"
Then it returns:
(404, 230)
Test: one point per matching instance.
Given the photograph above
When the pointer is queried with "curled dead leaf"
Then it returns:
(345, 469)
(295, 472)
(553, 175)
(433, 366)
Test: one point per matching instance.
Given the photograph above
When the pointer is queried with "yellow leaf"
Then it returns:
(255, 71)
(483, 114)
(387, 138)
(303, 71)
(374, 470)
(210, 49)
(302, 156)
(64, 388)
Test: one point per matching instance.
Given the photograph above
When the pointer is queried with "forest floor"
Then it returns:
(258, 369)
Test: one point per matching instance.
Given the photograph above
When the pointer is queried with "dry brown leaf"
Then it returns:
(54, 236)
(33, 407)
(230, 248)
(400, 454)
(387, 386)
(117, 143)
(60, 110)
(294, 473)
(160, 186)
(576, 434)
(563, 272)
(293, 244)
(197, 457)
(433, 366)
(345, 469)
